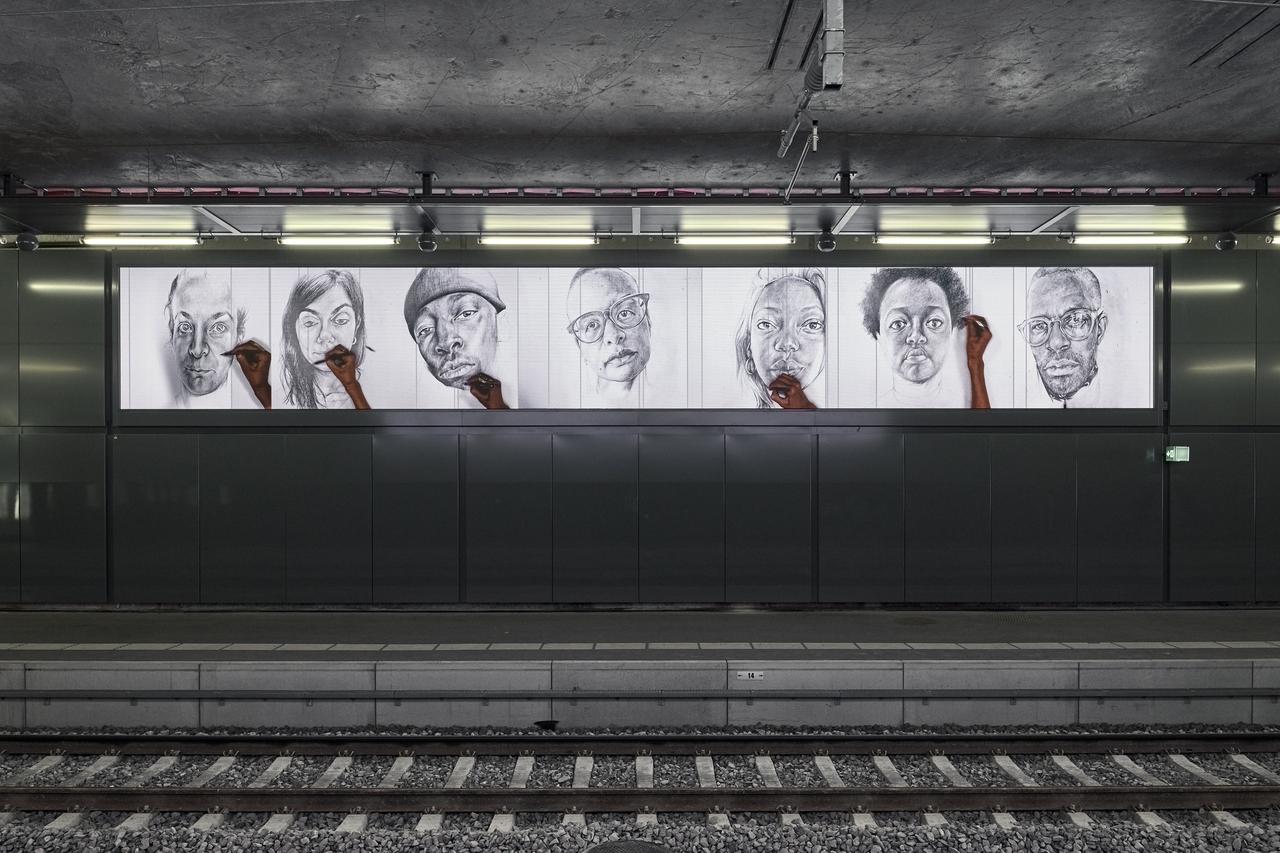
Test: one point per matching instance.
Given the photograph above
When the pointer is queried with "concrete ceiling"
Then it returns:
(634, 92)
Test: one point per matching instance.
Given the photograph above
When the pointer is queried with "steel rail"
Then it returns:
(631, 745)
(636, 799)
(745, 694)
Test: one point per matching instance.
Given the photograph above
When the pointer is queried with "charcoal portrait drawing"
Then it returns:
(324, 311)
(783, 332)
(609, 320)
(203, 324)
(1064, 326)
(912, 313)
(452, 315)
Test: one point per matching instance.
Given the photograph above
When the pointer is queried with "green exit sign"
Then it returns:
(1177, 454)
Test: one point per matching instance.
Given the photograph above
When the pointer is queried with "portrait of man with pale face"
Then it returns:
(203, 324)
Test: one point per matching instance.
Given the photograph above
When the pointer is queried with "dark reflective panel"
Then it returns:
(1211, 519)
(682, 517)
(1120, 500)
(62, 385)
(243, 500)
(860, 525)
(10, 505)
(1267, 448)
(508, 517)
(155, 518)
(768, 517)
(948, 513)
(1269, 384)
(1269, 296)
(1212, 384)
(63, 518)
(62, 297)
(1033, 518)
(8, 298)
(8, 384)
(8, 339)
(595, 518)
(1213, 297)
(415, 517)
(330, 519)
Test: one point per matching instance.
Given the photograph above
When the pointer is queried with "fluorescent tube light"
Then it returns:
(63, 287)
(1209, 287)
(933, 239)
(140, 240)
(538, 240)
(337, 240)
(1130, 239)
(734, 239)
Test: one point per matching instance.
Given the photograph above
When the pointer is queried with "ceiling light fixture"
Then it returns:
(322, 240)
(934, 239)
(734, 239)
(1130, 239)
(111, 240)
(538, 240)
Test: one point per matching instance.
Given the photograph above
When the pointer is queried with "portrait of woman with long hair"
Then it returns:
(324, 310)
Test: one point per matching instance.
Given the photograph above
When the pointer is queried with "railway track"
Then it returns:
(280, 777)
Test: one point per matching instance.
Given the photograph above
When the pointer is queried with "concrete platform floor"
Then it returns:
(1167, 633)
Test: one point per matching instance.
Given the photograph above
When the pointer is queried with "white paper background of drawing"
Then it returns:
(1125, 356)
(149, 365)
(728, 296)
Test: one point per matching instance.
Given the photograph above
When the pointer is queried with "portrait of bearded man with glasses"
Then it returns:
(1064, 326)
(609, 320)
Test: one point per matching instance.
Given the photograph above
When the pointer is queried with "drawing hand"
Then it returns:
(342, 362)
(788, 393)
(254, 360)
(977, 336)
(487, 390)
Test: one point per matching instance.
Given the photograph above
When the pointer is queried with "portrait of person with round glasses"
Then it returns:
(1064, 326)
(609, 320)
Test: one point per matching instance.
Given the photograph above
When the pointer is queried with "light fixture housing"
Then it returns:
(504, 240)
(324, 240)
(934, 239)
(734, 239)
(1130, 239)
(113, 240)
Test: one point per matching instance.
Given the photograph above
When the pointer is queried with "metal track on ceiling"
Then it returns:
(716, 194)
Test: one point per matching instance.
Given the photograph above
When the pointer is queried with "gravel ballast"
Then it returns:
(798, 771)
(674, 771)
(552, 771)
(737, 771)
(1227, 770)
(492, 771)
(981, 770)
(428, 771)
(688, 834)
(364, 772)
(613, 771)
